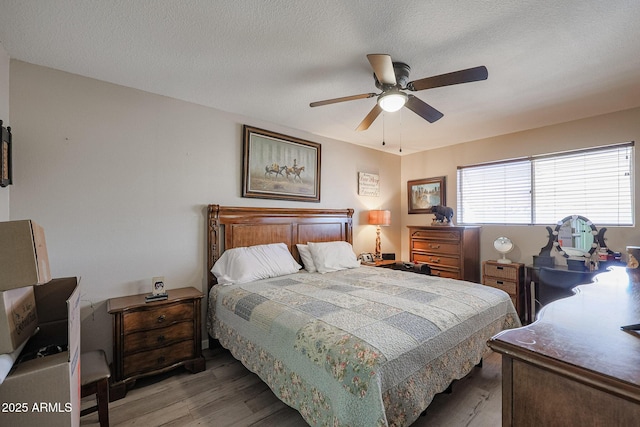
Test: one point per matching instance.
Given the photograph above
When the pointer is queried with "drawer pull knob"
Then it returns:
(499, 282)
(432, 246)
(161, 318)
(161, 338)
(435, 260)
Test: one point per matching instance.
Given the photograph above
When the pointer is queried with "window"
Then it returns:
(596, 183)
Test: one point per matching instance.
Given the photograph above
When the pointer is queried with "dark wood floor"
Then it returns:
(227, 394)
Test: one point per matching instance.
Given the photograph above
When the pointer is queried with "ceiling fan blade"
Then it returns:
(383, 68)
(373, 114)
(463, 76)
(423, 109)
(343, 99)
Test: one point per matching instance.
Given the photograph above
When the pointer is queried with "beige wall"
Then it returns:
(4, 115)
(120, 180)
(607, 129)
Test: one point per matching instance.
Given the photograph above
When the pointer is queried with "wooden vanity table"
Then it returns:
(574, 366)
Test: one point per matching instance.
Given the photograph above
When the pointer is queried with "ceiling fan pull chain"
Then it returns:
(383, 116)
(401, 131)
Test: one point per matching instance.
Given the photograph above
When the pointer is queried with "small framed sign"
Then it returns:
(368, 184)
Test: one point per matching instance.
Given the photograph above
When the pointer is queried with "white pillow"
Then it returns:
(307, 259)
(333, 256)
(245, 264)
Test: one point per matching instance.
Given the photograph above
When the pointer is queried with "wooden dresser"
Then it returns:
(574, 366)
(154, 337)
(509, 278)
(452, 252)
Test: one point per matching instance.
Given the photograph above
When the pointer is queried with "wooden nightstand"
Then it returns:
(150, 338)
(509, 278)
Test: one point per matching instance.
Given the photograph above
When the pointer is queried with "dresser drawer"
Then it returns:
(449, 274)
(158, 337)
(453, 235)
(436, 246)
(436, 259)
(505, 271)
(157, 317)
(508, 287)
(159, 358)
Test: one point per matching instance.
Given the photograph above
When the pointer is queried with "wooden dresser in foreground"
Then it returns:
(150, 338)
(509, 278)
(450, 251)
(574, 366)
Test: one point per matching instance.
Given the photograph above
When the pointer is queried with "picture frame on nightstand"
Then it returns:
(158, 286)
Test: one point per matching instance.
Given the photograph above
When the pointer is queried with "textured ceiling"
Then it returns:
(548, 61)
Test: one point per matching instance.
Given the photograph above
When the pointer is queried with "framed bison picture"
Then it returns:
(277, 166)
(425, 193)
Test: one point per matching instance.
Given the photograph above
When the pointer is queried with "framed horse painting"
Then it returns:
(277, 166)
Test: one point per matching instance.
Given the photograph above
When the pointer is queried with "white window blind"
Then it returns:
(596, 183)
(498, 193)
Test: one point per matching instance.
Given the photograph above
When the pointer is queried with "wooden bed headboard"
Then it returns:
(230, 227)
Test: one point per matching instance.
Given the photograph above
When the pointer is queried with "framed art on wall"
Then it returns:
(277, 166)
(368, 184)
(425, 193)
(5, 156)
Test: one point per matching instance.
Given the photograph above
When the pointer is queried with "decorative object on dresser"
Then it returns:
(443, 215)
(5, 156)
(379, 217)
(277, 166)
(154, 337)
(509, 278)
(425, 193)
(574, 366)
(450, 251)
(504, 245)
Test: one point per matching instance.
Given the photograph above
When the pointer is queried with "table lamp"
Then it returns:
(379, 217)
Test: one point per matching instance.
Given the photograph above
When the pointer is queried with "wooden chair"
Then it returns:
(94, 374)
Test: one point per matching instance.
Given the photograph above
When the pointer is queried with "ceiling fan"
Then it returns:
(392, 79)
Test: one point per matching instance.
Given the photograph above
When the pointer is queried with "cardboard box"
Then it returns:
(45, 391)
(18, 317)
(23, 255)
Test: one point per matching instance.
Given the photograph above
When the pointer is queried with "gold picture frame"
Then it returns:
(425, 193)
(277, 166)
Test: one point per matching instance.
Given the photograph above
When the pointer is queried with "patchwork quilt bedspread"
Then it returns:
(361, 347)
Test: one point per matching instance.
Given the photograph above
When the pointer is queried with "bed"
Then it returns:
(362, 346)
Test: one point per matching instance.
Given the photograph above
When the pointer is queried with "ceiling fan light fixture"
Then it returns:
(392, 101)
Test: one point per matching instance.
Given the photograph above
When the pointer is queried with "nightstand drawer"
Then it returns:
(158, 358)
(504, 271)
(508, 287)
(157, 317)
(157, 337)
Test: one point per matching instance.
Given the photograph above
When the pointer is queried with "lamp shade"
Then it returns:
(380, 217)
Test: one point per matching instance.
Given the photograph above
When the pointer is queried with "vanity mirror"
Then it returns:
(576, 236)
